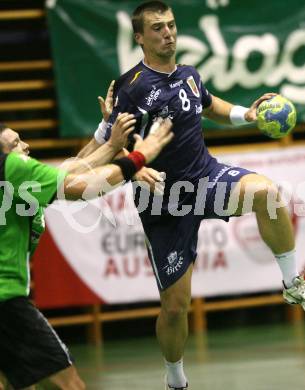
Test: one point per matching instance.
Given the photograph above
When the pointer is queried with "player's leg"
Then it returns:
(275, 227)
(5, 385)
(3, 381)
(68, 379)
(262, 195)
(27, 333)
(172, 327)
(172, 243)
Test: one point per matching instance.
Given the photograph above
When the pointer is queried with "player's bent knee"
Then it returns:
(175, 308)
(257, 190)
(261, 198)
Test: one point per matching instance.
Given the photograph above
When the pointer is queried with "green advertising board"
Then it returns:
(241, 49)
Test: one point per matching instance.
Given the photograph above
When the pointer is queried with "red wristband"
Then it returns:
(137, 158)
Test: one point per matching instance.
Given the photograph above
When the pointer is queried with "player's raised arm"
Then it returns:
(156, 140)
(106, 107)
(121, 129)
(107, 103)
(103, 179)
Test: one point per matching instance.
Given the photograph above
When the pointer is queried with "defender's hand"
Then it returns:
(107, 103)
(159, 136)
(153, 178)
(121, 128)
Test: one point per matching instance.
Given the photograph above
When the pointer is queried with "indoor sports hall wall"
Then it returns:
(241, 49)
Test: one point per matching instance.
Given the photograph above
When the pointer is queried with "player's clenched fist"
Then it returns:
(159, 136)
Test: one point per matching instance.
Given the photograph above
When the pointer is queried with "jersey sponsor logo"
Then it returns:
(175, 262)
(135, 77)
(191, 83)
(176, 84)
(153, 96)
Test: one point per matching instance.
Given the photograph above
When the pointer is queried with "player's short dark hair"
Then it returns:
(148, 6)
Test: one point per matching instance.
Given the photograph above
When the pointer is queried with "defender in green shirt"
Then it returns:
(21, 218)
(30, 350)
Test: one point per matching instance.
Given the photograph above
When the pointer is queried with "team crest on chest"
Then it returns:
(191, 83)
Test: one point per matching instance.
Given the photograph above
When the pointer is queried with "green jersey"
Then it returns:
(27, 186)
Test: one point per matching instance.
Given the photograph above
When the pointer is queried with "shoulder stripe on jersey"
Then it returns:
(2, 165)
(135, 77)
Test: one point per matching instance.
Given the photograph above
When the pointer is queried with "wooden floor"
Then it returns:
(252, 358)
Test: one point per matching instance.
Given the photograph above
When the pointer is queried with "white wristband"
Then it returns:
(237, 115)
(100, 132)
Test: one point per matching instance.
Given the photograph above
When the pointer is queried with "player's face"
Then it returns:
(11, 142)
(159, 34)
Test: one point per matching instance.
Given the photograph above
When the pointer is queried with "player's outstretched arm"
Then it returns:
(103, 179)
(223, 112)
(122, 127)
(106, 107)
(218, 111)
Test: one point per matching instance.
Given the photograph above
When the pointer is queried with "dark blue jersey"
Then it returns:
(181, 96)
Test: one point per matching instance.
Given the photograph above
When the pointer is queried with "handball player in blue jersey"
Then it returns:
(158, 87)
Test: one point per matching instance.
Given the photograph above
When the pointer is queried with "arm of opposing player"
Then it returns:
(124, 103)
(122, 127)
(91, 184)
(104, 179)
(33, 182)
(89, 148)
(148, 177)
(106, 107)
(154, 179)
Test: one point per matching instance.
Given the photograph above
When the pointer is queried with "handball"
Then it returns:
(276, 117)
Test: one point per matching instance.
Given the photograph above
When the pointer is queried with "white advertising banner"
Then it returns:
(103, 240)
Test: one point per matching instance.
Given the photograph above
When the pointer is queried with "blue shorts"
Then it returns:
(172, 239)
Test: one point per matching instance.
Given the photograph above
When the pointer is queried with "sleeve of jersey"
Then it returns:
(30, 177)
(206, 97)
